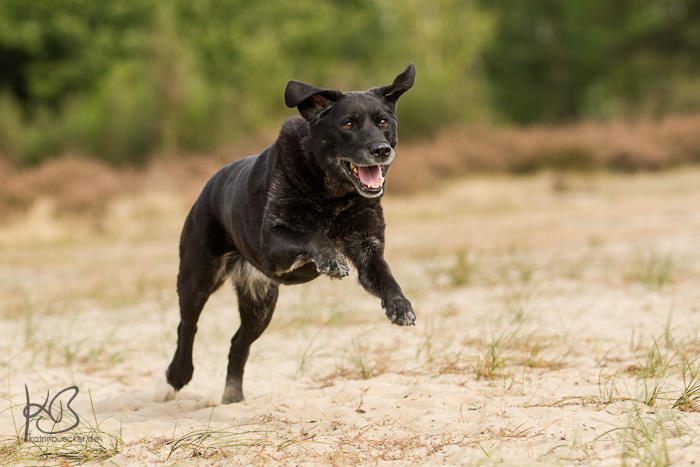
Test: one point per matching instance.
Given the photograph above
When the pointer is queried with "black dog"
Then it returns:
(300, 209)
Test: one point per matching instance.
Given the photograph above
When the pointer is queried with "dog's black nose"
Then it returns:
(380, 150)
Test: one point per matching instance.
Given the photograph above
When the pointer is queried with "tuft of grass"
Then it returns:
(510, 344)
(496, 351)
(462, 272)
(358, 361)
(643, 441)
(486, 447)
(207, 443)
(653, 269)
(668, 356)
(88, 442)
(518, 268)
(490, 363)
(689, 399)
(310, 352)
(657, 363)
(261, 434)
(651, 393)
(365, 363)
(518, 304)
(689, 359)
(607, 387)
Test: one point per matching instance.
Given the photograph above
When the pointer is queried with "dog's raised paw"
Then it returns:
(335, 268)
(400, 312)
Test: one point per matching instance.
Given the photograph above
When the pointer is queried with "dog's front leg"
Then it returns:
(286, 249)
(375, 276)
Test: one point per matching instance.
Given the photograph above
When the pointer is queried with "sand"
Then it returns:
(555, 326)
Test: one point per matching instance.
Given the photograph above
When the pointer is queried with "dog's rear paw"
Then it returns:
(335, 268)
(400, 311)
(233, 392)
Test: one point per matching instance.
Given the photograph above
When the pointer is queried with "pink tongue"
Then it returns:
(371, 175)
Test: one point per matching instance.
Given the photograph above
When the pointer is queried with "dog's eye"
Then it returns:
(382, 123)
(348, 125)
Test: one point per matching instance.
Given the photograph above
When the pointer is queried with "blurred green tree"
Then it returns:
(52, 48)
(124, 79)
(558, 60)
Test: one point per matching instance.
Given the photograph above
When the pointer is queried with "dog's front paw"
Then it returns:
(179, 374)
(335, 267)
(399, 311)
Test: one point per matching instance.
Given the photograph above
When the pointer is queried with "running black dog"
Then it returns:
(300, 209)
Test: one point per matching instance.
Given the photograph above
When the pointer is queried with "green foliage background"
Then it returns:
(125, 79)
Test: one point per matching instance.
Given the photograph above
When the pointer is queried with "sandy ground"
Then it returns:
(558, 323)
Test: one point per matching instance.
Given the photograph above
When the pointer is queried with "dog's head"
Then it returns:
(353, 135)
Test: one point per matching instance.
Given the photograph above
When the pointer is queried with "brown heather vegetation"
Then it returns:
(580, 147)
(78, 186)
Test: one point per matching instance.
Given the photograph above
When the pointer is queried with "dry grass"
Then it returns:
(86, 188)
(582, 147)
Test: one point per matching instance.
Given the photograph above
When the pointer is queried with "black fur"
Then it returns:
(298, 210)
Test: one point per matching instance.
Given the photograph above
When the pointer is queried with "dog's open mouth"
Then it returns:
(369, 179)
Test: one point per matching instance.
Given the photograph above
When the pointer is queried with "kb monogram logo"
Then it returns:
(51, 417)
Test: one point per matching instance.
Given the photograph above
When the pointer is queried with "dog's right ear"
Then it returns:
(309, 100)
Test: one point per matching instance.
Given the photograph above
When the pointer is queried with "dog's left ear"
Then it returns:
(401, 84)
(310, 100)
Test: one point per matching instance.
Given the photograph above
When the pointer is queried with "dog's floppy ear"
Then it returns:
(310, 100)
(401, 84)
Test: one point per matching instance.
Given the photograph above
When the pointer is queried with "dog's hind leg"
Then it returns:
(201, 274)
(257, 297)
